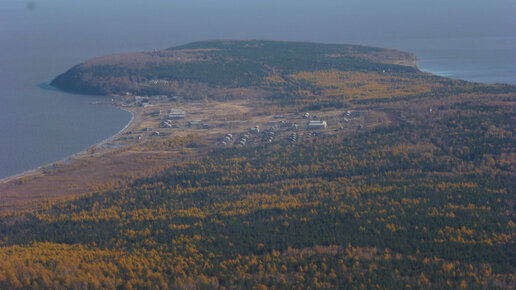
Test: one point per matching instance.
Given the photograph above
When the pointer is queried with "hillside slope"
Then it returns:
(223, 63)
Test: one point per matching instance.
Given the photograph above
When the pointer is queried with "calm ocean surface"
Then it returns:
(40, 125)
(480, 59)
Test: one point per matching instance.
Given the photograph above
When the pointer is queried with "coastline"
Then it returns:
(421, 64)
(71, 158)
(83, 153)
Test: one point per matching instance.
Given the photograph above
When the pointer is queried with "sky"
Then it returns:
(163, 23)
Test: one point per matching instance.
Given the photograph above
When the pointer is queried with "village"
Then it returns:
(167, 129)
(232, 124)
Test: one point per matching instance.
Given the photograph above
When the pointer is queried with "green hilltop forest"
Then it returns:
(424, 201)
(224, 64)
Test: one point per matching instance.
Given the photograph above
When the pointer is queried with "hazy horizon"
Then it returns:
(134, 24)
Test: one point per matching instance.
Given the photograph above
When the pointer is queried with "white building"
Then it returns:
(176, 114)
(316, 125)
(195, 123)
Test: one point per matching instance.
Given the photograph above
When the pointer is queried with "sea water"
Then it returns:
(40, 125)
(476, 59)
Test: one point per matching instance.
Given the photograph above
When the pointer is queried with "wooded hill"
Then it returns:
(216, 64)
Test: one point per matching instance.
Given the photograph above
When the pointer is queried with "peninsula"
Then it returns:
(264, 164)
(202, 69)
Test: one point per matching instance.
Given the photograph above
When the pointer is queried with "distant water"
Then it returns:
(476, 59)
(40, 125)
(37, 42)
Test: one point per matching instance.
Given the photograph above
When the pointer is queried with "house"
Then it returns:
(176, 114)
(317, 125)
(157, 82)
(141, 99)
(195, 123)
(351, 114)
(159, 98)
(255, 130)
(175, 98)
(165, 124)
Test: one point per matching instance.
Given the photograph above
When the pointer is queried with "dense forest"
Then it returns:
(427, 201)
(217, 64)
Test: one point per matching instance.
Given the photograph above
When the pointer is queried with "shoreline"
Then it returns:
(81, 154)
(71, 158)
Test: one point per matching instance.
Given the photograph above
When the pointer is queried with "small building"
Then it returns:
(351, 114)
(157, 82)
(159, 98)
(156, 113)
(175, 98)
(165, 124)
(141, 99)
(195, 123)
(176, 114)
(317, 125)
(255, 130)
